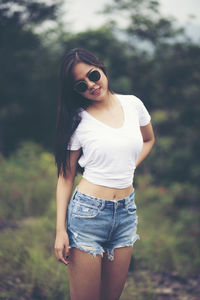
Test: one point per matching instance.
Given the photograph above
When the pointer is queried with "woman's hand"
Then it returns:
(62, 247)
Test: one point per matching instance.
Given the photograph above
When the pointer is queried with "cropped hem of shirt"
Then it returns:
(110, 154)
(116, 181)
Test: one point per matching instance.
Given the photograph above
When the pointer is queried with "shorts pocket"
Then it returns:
(131, 207)
(84, 210)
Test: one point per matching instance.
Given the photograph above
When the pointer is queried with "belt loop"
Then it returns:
(124, 203)
(102, 204)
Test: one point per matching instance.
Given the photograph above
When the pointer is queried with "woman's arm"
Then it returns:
(63, 195)
(148, 139)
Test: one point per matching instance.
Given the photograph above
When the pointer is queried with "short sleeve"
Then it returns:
(144, 116)
(74, 143)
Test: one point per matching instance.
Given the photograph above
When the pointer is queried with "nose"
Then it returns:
(90, 83)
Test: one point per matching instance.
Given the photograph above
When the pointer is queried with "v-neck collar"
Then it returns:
(108, 126)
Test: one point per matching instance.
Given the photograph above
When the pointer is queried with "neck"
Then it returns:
(107, 103)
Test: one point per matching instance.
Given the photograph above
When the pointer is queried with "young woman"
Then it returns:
(108, 135)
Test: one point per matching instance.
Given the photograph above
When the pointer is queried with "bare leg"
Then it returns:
(114, 273)
(84, 275)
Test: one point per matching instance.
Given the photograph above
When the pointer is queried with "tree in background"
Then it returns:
(150, 58)
(27, 73)
(166, 74)
(143, 21)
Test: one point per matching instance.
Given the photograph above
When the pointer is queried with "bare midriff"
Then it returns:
(103, 192)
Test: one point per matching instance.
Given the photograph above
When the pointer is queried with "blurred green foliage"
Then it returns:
(27, 226)
(168, 227)
(27, 182)
(150, 58)
(164, 73)
(28, 264)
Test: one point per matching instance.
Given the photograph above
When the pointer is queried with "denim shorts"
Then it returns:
(96, 226)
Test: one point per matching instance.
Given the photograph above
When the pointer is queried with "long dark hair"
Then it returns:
(69, 104)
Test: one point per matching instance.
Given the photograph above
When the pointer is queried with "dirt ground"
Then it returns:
(147, 285)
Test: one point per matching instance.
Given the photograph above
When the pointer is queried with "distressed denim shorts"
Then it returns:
(96, 226)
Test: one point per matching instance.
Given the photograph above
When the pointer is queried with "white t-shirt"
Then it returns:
(110, 154)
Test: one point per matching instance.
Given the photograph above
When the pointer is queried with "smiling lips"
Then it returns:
(96, 92)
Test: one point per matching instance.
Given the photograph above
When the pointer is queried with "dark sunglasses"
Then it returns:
(81, 86)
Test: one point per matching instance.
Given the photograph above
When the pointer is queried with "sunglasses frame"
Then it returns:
(83, 82)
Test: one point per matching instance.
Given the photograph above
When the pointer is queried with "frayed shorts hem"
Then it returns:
(89, 249)
(110, 252)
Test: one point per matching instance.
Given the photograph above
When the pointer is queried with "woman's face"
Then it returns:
(96, 90)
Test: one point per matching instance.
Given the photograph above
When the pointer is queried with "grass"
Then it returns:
(168, 228)
(29, 264)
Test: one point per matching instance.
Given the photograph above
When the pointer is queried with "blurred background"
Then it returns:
(152, 50)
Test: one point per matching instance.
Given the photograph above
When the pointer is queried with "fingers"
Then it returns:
(66, 251)
(61, 248)
(62, 256)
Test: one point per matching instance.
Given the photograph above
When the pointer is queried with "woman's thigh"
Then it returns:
(84, 271)
(114, 273)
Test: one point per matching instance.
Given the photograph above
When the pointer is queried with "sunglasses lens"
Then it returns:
(94, 76)
(81, 87)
